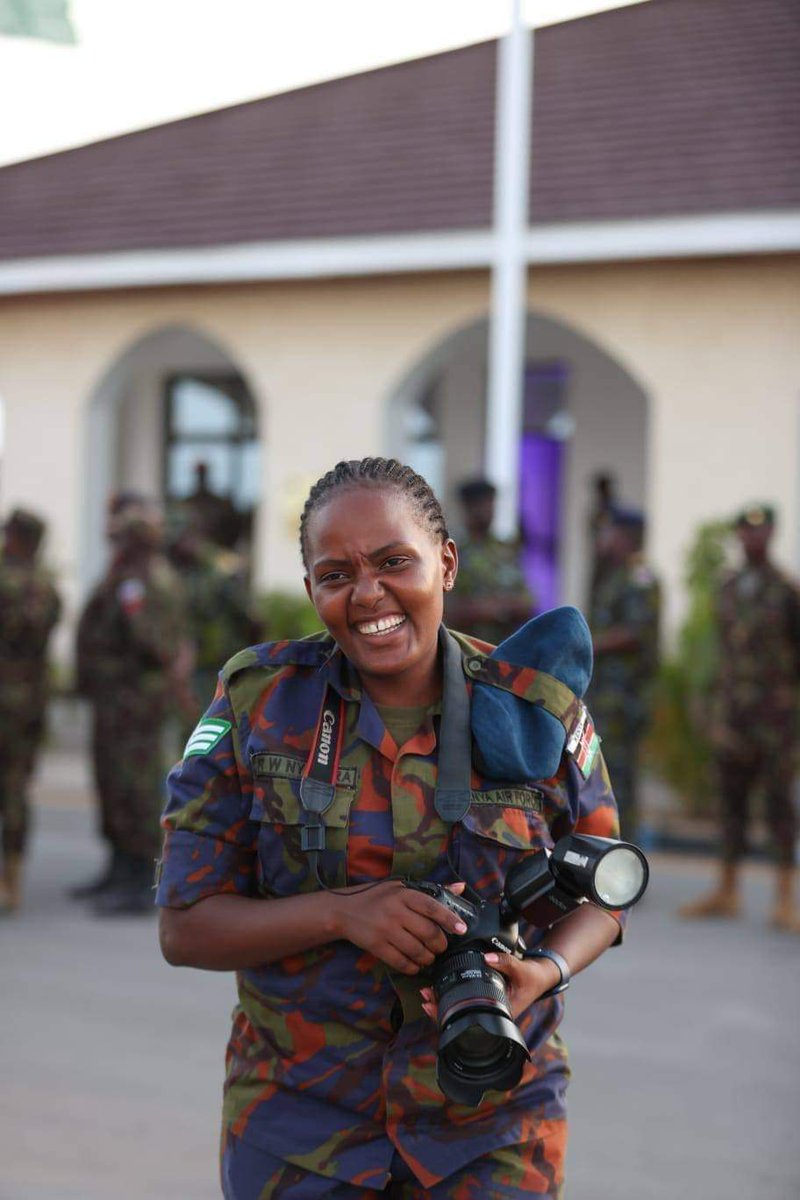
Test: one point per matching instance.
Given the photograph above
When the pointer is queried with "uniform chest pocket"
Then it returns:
(511, 816)
(277, 808)
(501, 826)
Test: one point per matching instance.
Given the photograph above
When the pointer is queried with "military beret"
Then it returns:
(754, 516)
(516, 739)
(476, 489)
(27, 525)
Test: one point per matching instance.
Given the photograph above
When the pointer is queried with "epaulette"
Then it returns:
(311, 651)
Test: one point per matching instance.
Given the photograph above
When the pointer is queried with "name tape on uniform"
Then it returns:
(208, 733)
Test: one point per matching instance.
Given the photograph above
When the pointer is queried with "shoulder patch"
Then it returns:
(583, 743)
(131, 595)
(208, 733)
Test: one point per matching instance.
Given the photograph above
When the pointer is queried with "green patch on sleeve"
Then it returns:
(209, 732)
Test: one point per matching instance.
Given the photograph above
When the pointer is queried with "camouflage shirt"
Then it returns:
(627, 598)
(30, 607)
(219, 619)
(758, 623)
(129, 635)
(491, 568)
(331, 1063)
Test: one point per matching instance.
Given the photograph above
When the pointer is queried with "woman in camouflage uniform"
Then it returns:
(331, 1088)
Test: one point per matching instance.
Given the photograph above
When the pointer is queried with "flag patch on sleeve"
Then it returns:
(208, 733)
(583, 743)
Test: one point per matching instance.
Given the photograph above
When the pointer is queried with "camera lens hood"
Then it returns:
(479, 1052)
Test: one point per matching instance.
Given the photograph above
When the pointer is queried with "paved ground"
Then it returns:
(684, 1046)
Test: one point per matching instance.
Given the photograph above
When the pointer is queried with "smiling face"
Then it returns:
(376, 574)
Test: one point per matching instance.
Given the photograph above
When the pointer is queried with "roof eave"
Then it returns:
(705, 235)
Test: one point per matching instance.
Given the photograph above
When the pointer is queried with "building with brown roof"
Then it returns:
(279, 284)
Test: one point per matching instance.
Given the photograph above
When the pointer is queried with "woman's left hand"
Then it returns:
(526, 980)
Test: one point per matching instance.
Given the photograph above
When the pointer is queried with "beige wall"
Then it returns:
(714, 344)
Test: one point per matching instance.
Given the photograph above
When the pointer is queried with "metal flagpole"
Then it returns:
(509, 276)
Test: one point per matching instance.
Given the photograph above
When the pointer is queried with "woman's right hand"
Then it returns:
(403, 928)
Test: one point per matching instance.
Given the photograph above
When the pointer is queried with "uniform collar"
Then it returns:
(344, 679)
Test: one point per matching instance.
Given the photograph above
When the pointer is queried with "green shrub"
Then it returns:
(287, 615)
(678, 747)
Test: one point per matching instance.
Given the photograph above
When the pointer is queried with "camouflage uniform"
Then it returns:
(219, 621)
(491, 568)
(128, 637)
(627, 597)
(755, 720)
(331, 1062)
(30, 608)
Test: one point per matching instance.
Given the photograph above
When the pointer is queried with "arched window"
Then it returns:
(210, 419)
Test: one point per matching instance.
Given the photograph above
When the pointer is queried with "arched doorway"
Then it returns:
(584, 415)
(172, 401)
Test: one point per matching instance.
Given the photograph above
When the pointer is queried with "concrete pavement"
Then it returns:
(683, 1043)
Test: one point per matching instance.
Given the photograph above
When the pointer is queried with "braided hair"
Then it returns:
(376, 472)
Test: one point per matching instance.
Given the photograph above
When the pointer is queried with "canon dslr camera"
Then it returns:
(480, 1045)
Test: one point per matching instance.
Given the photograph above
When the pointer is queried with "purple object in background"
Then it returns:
(540, 467)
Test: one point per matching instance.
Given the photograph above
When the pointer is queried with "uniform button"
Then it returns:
(475, 664)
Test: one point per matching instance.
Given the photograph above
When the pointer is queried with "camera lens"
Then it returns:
(480, 1046)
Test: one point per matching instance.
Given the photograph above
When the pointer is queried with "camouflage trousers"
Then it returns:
(129, 772)
(508, 1173)
(738, 776)
(19, 742)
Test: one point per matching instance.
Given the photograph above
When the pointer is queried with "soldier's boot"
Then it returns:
(133, 896)
(11, 884)
(108, 879)
(723, 901)
(785, 915)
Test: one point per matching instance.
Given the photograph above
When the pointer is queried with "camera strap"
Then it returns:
(453, 792)
(318, 782)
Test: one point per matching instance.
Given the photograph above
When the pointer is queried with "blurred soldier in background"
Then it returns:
(220, 621)
(29, 608)
(604, 499)
(754, 725)
(624, 620)
(133, 663)
(215, 517)
(491, 598)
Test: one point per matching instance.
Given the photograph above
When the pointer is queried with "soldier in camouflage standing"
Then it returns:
(492, 598)
(754, 726)
(331, 1088)
(220, 619)
(624, 619)
(30, 608)
(132, 666)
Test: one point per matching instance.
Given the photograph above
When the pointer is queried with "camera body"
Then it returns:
(491, 924)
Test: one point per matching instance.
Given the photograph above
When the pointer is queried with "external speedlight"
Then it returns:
(612, 874)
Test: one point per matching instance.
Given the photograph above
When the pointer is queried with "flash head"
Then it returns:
(609, 873)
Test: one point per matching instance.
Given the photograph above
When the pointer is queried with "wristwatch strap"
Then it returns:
(561, 963)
